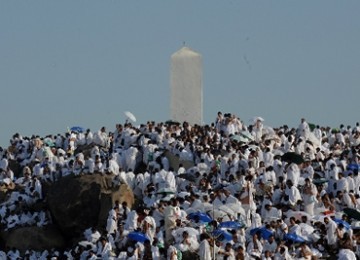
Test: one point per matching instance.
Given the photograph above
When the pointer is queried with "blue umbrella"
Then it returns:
(345, 224)
(222, 235)
(294, 238)
(77, 129)
(231, 225)
(353, 166)
(138, 237)
(264, 232)
(199, 216)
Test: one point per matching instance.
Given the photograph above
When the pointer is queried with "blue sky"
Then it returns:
(65, 63)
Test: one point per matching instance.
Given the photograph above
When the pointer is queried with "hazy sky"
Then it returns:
(65, 63)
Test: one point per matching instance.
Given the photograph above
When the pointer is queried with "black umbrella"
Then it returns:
(171, 122)
(352, 213)
(292, 157)
(187, 176)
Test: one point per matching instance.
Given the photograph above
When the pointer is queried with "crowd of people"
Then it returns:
(222, 191)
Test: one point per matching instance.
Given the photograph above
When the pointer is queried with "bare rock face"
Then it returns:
(37, 238)
(77, 203)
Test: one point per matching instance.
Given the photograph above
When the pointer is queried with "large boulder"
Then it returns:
(77, 203)
(37, 238)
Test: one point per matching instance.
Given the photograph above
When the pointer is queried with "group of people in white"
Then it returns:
(222, 191)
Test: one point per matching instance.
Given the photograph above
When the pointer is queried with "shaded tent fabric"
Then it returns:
(292, 157)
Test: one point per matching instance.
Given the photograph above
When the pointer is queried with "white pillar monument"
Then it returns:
(186, 86)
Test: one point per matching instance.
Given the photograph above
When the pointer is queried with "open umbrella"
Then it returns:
(294, 238)
(49, 142)
(298, 214)
(257, 118)
(216, 214)
(264, 232)
(320, 181)
(137, 236)
(227, 210)
(187, 176)
(292, 157)
(77, 129)
(239, 138)
(352, 213)
(222, 235)
(340, 221)
(171, 122)
(86, 244)
(165, 191)
(130, 116)
(199, 216)
(191, 231)
(231, 225)
(353, 167)
(247, 135)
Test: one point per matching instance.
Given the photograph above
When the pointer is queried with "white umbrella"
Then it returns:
(215, 214)
(236, 208)
(247, 135)
(177, 233)
(130, 116)
(227, 210)
(257, 118)
(85, 244)
(298, 214)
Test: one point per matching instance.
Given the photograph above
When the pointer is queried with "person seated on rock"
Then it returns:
(104, 249)
(12, 220)
(13, 254)
(92, 235)
(112, 220)
(92, 255)
(85, 251)
(43, 219)
(25, 218)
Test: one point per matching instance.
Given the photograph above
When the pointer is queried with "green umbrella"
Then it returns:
(320, 180)
(312, 126)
